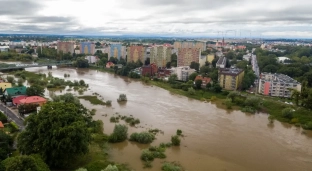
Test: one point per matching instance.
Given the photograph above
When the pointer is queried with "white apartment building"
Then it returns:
(183, 72)
(278, 85)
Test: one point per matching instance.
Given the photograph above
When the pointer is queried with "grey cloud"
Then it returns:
(45, 19)
(19, 7)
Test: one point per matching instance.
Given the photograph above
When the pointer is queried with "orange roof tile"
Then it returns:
(33, 99)
(1, 125)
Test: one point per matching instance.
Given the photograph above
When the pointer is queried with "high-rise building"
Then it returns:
(87, 48)
(190, 44)
(116, 51)
(231, 78)
(278, 85)
(65, 47)
(135, 53)
(160, 55)
(188, 55)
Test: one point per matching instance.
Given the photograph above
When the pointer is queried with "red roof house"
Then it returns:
(16, 100)
(205, 80)
(1, 125)
(110, 64)
(33, 100)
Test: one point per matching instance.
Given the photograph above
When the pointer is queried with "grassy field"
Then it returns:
(93, 100)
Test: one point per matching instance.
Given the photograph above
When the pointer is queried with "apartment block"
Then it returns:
(231, 78)
(117, 51)
(190, 44)
(183, 72)
(277, 85)
(160, 55)
(188, 55)
(65, 47)
(87, 48)
(135, 53)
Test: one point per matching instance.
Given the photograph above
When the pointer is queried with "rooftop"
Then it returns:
(279, 78)
(33, 99)
(1, 125)
(230, 71)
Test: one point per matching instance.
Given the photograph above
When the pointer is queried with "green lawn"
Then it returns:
(93, 100)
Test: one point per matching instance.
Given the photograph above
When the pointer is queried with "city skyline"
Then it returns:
(176, 18)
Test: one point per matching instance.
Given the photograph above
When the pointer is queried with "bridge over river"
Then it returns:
(23, 66)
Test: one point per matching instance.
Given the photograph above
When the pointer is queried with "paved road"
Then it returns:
(12, 116)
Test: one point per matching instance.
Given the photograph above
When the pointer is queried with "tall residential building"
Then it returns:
(87, 48)
(278, 85)
(231, 78)
(116, 51)
(190, 44)
(160, 55)
(188, 55)
(135, 53)
(65, 47)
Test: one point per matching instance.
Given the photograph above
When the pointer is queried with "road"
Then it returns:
(12, 116)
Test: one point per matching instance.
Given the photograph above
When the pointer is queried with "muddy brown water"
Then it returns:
(215, 139)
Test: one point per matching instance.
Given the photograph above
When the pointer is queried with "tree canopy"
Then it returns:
(25, 163)
(35, 90)
(58, 133)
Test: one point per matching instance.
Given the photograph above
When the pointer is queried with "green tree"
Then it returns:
(193, 76)
(25, 163)
(295, 94)
(217, 88)
(204, 69)
(59, 133)
(97, 44)
(172, 78)
(6, 142)
(10, 79)
(168, 65)
(198, 84)
(191, 91)
(35, 90)
(81, 63)
(232, 95)
(195, 65)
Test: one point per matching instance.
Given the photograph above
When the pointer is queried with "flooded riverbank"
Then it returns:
(215, 139)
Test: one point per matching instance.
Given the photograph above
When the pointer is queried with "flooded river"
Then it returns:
(215, 139)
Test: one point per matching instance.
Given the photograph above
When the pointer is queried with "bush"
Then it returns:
(81, 169)
(249, 109)
(253, 102)
(50, 86)
(179, 132)
(147, 155)
(191, 91)
(287, 113)
(225, 93)
(175, 140)
(294, 120)
(171, 167)
(108, 102)
(308, 126)
(111, 168)
(119, 134)
(97, 165)
(143, 137)
(228, 103)
(213, 98)
(114, 119)
(3, 118)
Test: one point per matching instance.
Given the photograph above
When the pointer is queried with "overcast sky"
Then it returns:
(265, 18)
